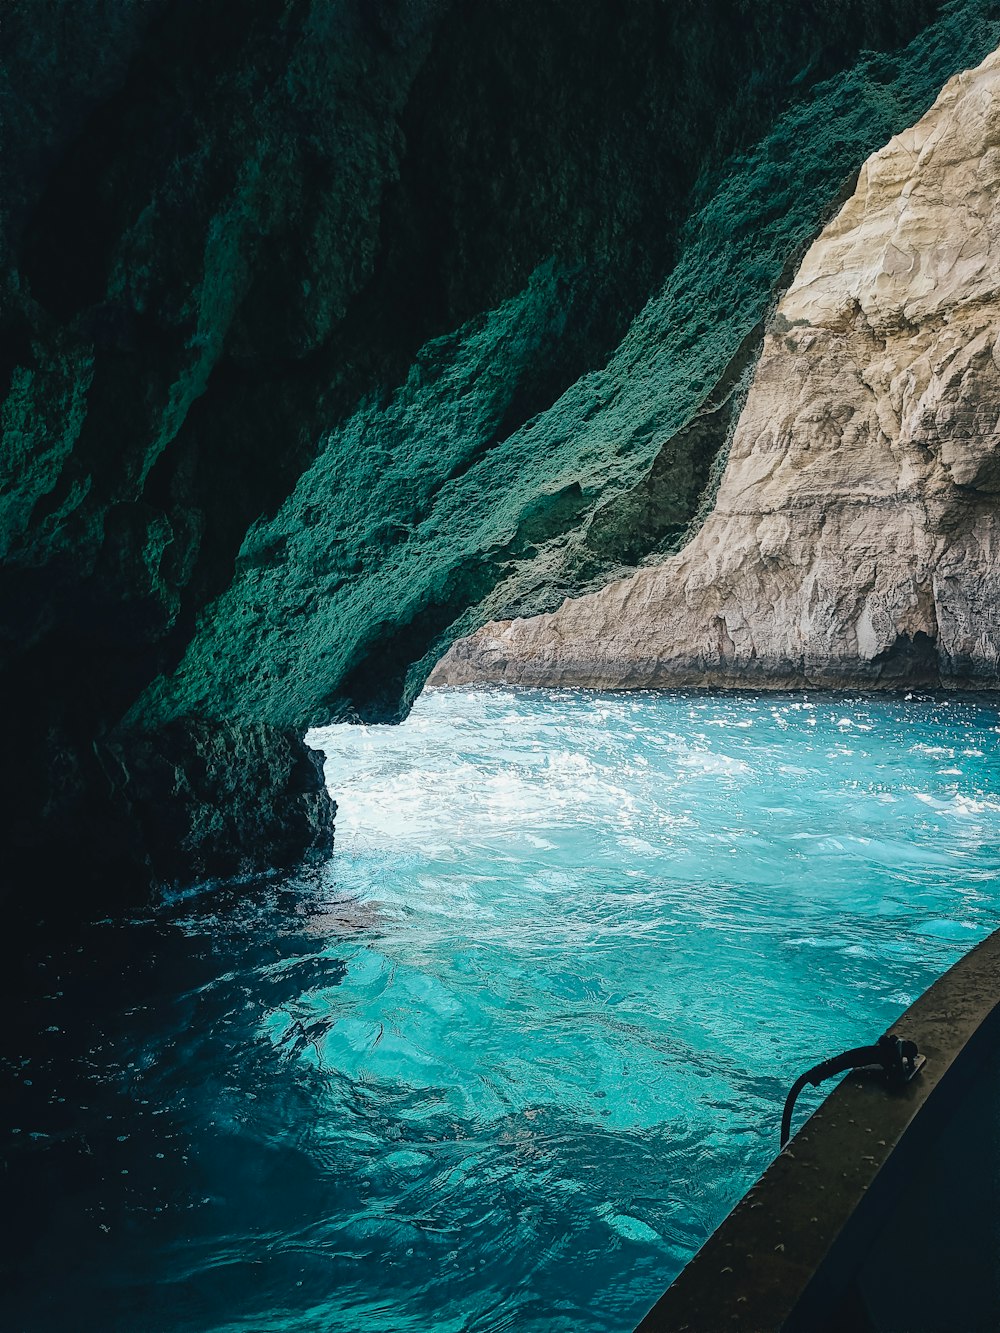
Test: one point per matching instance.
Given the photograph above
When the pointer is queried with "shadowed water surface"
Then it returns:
(507, 1058)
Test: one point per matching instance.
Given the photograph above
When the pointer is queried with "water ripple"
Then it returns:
(506, 1060)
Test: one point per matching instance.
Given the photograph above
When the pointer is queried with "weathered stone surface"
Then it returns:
(855, 539)
(203, 801)
(330, 329)
(190, 802)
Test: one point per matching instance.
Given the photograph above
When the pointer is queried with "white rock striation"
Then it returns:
(855, 540)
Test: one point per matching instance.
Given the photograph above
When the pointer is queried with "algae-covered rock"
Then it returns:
(330, 330)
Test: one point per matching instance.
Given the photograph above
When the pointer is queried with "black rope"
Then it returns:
(896, 1057)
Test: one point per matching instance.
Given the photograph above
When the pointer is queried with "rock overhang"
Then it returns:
(378, 323)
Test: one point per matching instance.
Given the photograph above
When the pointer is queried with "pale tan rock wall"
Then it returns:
(856, 535)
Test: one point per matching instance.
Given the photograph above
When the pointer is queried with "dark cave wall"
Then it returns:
(330, 330)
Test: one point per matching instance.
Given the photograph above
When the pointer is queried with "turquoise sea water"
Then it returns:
(506, 1060)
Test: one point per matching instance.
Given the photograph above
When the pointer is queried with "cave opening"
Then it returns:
(333, 335)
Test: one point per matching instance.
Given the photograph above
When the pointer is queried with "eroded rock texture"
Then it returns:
(856, 534)
(330, 330)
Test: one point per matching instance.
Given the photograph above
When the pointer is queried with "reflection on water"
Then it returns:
(510, 1055)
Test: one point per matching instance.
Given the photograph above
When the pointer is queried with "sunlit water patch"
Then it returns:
(504, 1061)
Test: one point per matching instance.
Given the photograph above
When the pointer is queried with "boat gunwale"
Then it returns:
(785, 1257)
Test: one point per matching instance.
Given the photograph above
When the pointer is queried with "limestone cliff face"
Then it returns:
(855, 539)
(331, 329)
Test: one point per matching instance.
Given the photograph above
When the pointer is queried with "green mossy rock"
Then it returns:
(330, 330)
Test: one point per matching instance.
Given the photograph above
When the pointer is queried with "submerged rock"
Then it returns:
(855, 539)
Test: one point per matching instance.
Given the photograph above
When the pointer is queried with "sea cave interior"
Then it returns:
(501, 642)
